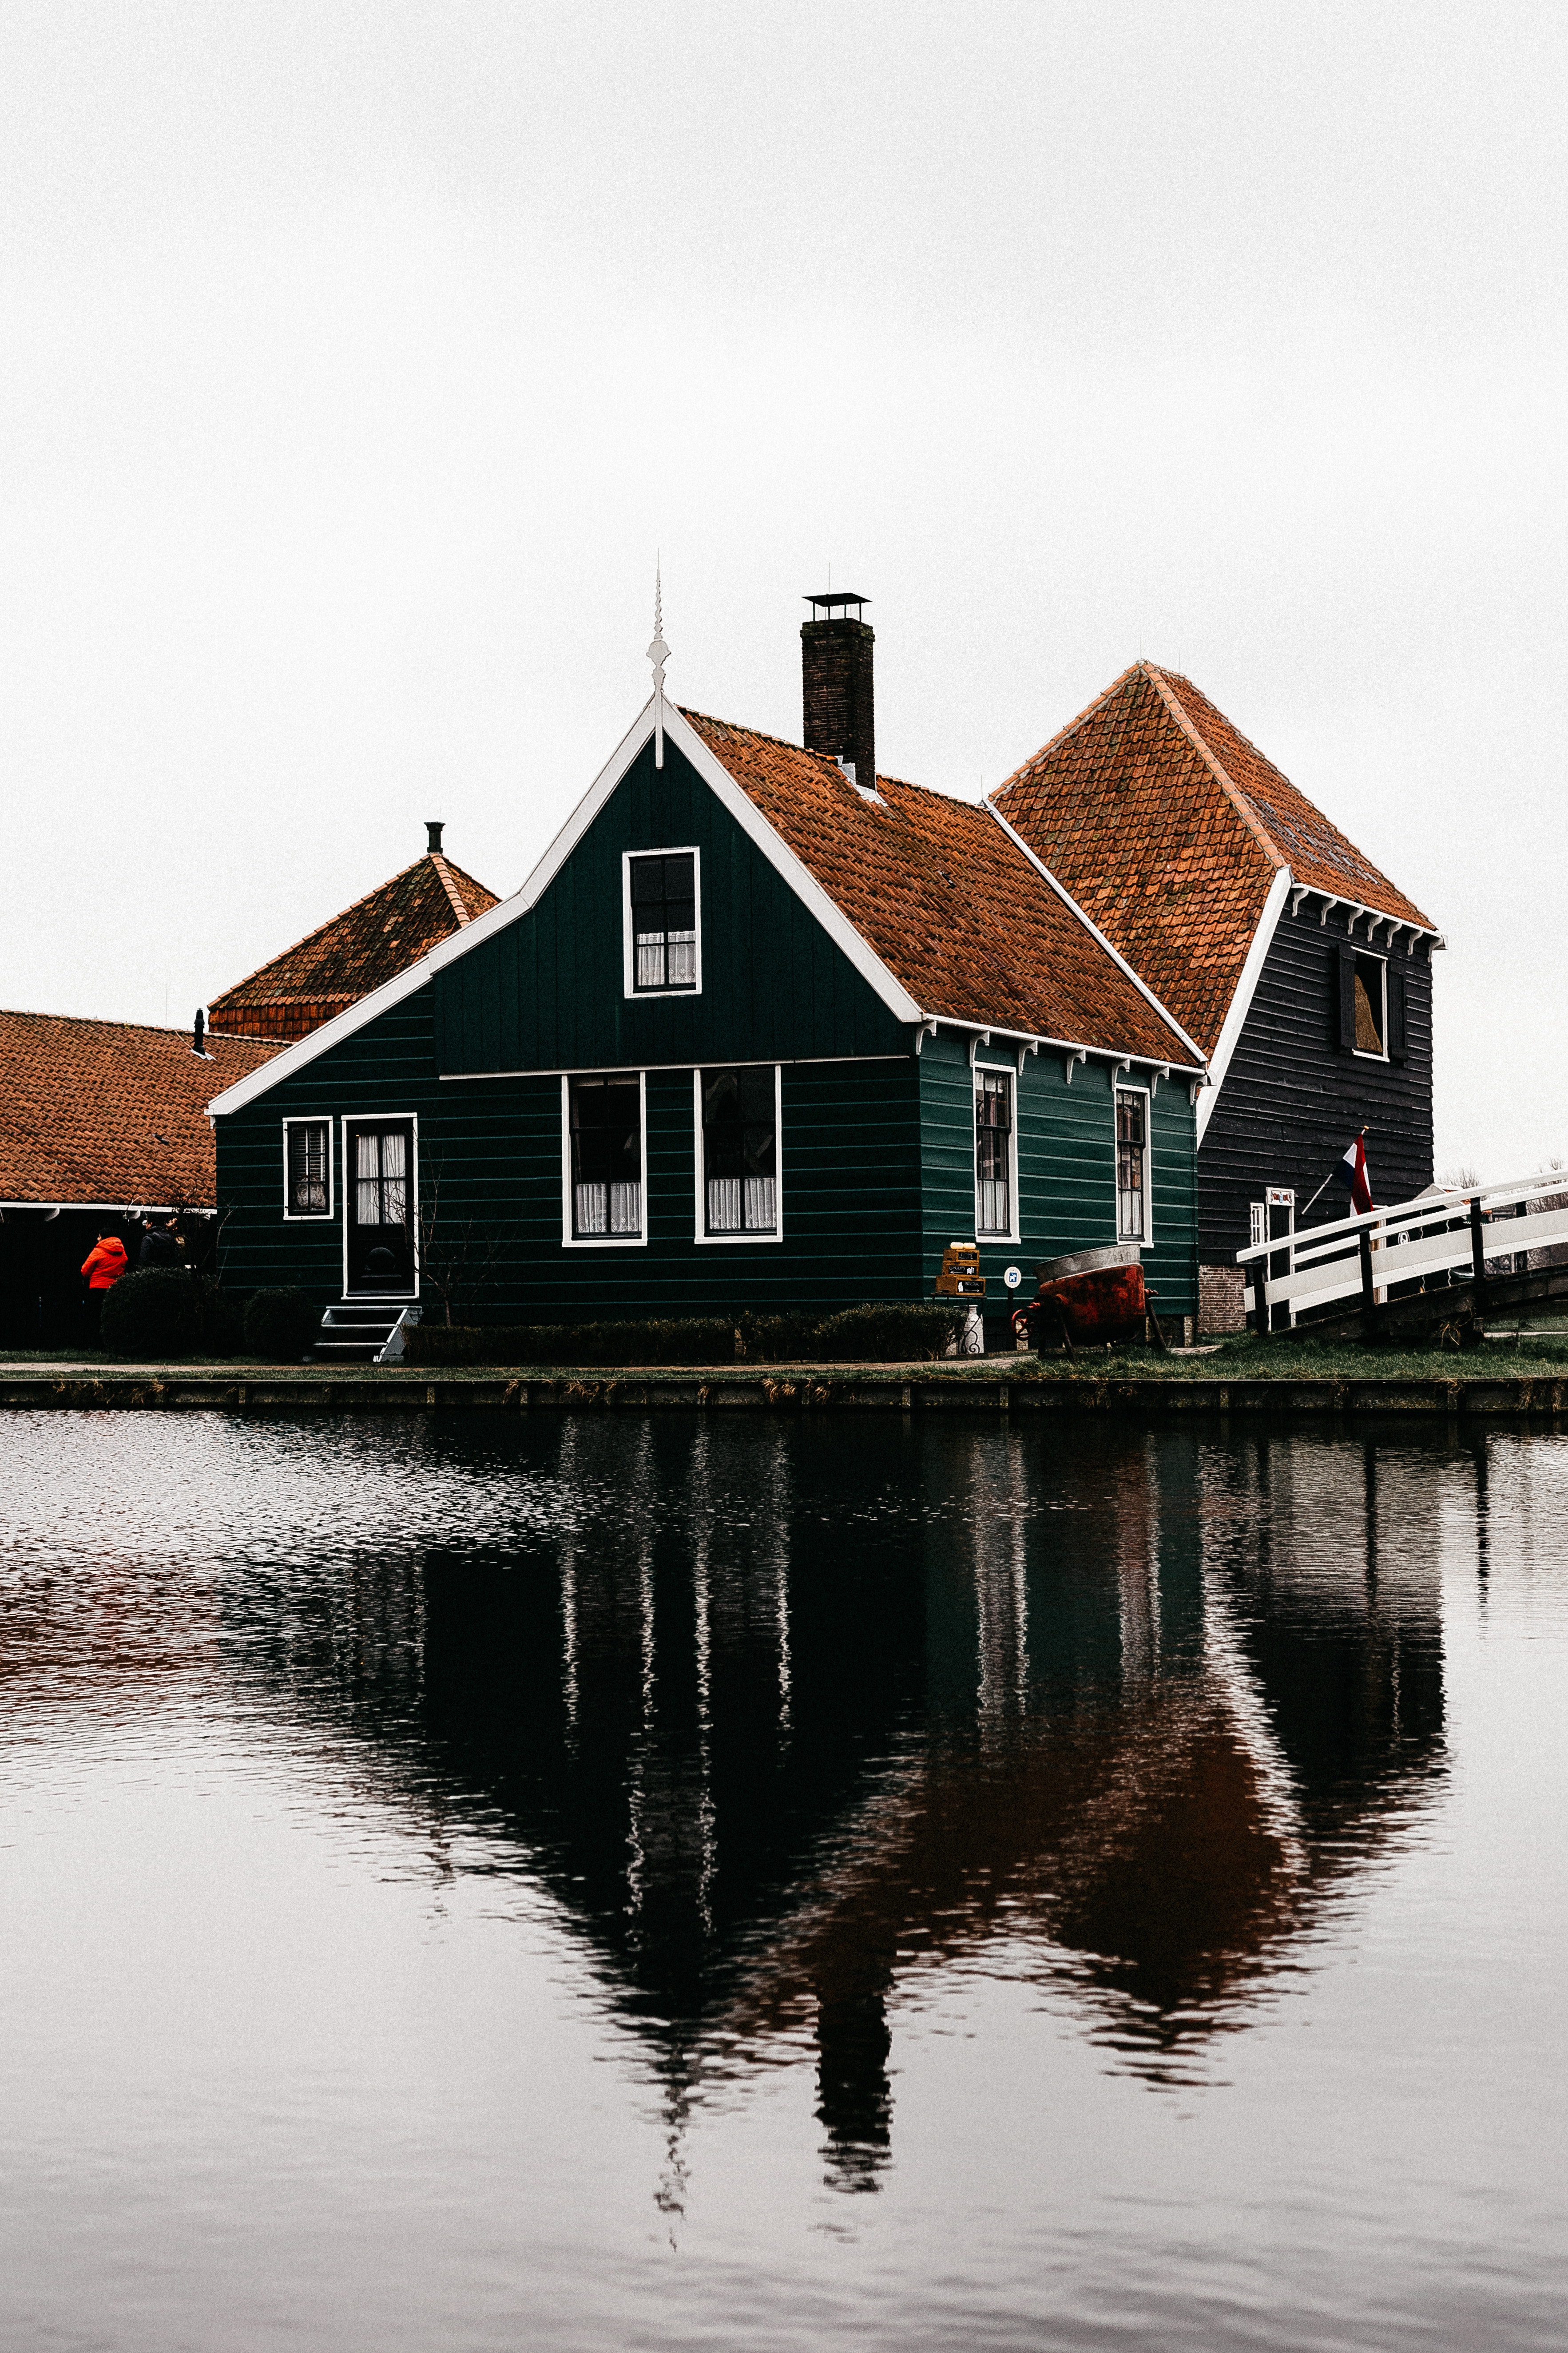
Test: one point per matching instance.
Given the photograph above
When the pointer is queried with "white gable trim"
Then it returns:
(719, 782)
(1246, 988)
(1111, 950)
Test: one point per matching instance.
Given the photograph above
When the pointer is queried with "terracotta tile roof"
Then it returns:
(335, 966)
(1168, 827)
(956, 911)
(110, 1112)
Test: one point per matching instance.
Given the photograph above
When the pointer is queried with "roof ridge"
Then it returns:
(454, 896)
(95, 1021)
(1071, 729)
(315, 932)
(1160, 680)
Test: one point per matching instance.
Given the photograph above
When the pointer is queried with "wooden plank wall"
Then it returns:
(1292, 1100)
(1067, 1168)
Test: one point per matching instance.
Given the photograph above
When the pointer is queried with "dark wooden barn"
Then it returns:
(1303, 972)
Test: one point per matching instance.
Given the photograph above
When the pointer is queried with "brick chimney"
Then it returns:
(836, 679)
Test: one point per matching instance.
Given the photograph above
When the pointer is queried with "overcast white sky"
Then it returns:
(355, 360)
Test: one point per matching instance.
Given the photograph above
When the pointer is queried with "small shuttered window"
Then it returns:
(308, 1166)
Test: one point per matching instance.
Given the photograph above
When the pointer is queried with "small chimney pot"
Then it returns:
(434, 827)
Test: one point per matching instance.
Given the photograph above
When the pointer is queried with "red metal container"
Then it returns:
(1098, 1293)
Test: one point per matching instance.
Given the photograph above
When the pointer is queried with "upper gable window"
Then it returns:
(1371, 1018)
(663, 944)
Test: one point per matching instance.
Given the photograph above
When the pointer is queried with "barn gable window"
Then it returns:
(1371, 1005)
(306, 1168)
(737, 1120)
(996, 1174)
(663, 946)
(603, 1120)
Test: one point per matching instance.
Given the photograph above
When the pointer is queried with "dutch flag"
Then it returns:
(1351, 1172)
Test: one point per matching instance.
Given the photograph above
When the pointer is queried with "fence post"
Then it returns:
(1368, 1292)
(1477, 1251)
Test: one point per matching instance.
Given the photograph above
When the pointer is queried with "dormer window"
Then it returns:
(663, 945)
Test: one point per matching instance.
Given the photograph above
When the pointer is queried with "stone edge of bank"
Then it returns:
(1520, 1398)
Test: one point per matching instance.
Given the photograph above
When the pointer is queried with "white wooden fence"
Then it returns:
(1448, 1232)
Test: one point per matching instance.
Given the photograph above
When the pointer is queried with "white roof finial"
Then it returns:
(658, 654)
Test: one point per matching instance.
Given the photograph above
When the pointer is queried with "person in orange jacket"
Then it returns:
(103, 1266)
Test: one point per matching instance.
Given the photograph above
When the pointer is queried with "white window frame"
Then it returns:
(699, 1206)
(372, 1119)
(311, 1217)
(628, 943)
(1120, 1086)
(979, 1072)
(569, 1240)
(1370, 956)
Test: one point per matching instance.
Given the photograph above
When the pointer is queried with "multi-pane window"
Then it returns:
(1132, 1166)
(664, 921)
(992, 1152)
(380, 1177)
(307, 1161)
(605, 1128)
(740, 1151)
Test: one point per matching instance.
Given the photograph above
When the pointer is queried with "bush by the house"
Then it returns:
(891, 1332)
(280, 1325)
(669, 1340)
(222, 1320)
(155, 1313)
(776, 1339)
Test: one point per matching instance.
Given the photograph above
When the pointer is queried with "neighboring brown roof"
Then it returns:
(111, 1111)
(1168, 827)
(378, 936)
(957, 913)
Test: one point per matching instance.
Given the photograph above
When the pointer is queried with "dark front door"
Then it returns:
(380, 1188)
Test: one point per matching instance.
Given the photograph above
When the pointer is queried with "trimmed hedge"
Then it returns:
(153, 1312)
(280, 1325)
(895, 1333)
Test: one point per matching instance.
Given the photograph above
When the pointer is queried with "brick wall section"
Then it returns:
(838, 694)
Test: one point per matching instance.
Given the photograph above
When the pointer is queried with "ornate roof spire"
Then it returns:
(658, 654)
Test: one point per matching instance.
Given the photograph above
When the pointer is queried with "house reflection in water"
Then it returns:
(800, 1710)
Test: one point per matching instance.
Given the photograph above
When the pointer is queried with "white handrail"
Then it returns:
(1445, 1202)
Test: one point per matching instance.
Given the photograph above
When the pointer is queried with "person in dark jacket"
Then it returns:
(161, 1245)
(104, 1264)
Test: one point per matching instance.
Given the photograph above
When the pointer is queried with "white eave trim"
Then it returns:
(1235, 1021)
(717, 777)
(1111, 950)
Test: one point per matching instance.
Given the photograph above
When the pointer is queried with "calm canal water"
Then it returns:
(603, 1883)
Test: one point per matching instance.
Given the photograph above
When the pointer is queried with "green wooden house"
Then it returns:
(757, 1032)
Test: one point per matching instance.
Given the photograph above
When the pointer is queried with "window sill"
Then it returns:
(724, 1241)
(308, 1217)
(1366, 1054)
(604, 1242)
(641, 996)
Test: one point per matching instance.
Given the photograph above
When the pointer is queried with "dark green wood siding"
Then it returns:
(546, 992)
(1066, 1167)
(877, 1144)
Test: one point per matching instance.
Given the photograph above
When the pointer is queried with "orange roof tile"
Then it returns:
(959, 916)
(1169, 827)
(111, 1111)
(333, 967)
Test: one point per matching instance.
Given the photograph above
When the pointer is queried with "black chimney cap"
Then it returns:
(832, 596)
(433, 826)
